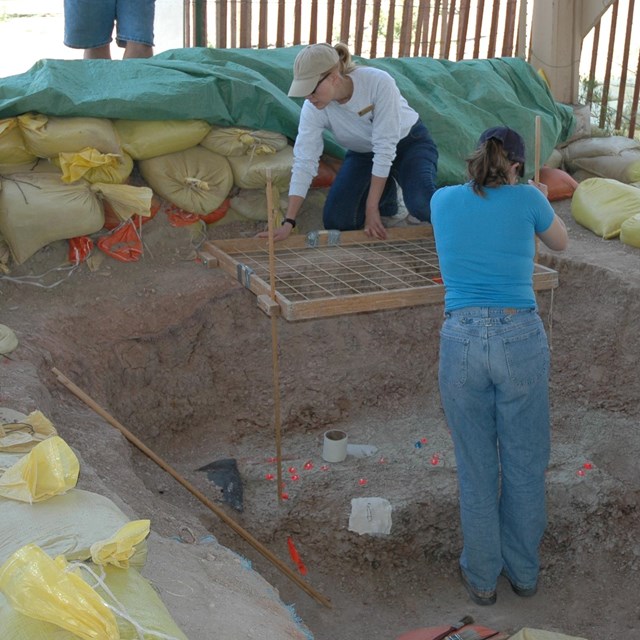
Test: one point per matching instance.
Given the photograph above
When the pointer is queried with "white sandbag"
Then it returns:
(630, 231)
(61, 525)
(234, 141)
(13, 149)
(602, 205)
(47, 136)
(143, 139)
(196, 180)
(38, 165)
(599, 146)
(37, 208)
(250, 172)
(252, 203)
(624, 167)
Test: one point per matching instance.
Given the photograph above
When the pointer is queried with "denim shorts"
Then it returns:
(89, 23)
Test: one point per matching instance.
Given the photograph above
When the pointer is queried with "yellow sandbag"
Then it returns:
(41, 588)
(51, 468)
(125, 200)
(593, 147)
(538, 634)
(93, 166)
(602, 205)
(60, 526)
(13, 150)
(630, 231)
(143, 139)
(21, 436)
(250, 172)
(624, 167)
(38, 208)
(233, 141)
(139, 611)
(252, 203)
(8, 343)
(196, 180)
(47, 136)
(121, 547)
(37, 165)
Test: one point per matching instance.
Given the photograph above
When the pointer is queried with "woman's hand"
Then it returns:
(281, 233)
(373, 226)
(540, 186)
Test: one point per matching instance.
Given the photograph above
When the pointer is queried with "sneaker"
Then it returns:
(483, 598)
(413, 220)
(399, 220)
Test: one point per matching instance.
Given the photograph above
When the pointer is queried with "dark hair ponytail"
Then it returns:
(489, 166)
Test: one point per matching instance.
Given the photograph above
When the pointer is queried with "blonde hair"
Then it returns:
(345, 65)
(489, 166)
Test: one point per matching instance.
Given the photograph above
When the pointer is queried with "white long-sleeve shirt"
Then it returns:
(375, 118)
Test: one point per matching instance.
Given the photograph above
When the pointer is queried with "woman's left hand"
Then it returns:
(373, 226)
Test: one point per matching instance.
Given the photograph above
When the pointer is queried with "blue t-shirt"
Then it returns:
(486, 245)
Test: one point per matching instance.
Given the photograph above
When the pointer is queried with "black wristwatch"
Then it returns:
(291, 221)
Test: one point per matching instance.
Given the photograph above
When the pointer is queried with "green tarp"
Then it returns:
(247, 88)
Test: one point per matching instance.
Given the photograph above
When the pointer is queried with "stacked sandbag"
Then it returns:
(68, 557)
(614, 157)
(603, 205)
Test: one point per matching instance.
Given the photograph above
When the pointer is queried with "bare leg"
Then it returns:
(137, 50)
(98, 53)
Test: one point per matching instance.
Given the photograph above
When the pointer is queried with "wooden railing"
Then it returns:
(448, 29)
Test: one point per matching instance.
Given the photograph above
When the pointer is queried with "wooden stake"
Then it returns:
(258, 546)
(274, 339)
(537, 151)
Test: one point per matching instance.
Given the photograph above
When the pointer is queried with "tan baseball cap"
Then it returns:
(313, 62)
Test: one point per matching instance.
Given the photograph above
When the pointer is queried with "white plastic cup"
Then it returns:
(334, 448)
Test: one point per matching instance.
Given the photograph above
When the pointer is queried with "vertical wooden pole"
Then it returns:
(622, 89)
(375, 26)
(478, 32)
(274, 337)
(607, 74)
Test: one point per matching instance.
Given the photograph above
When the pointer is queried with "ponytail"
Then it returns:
(489, 166)
(345, 65)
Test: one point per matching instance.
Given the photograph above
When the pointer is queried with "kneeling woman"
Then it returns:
(384, 136)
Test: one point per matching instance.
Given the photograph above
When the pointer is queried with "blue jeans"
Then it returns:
(89, 23)
(493, 375)
(414, 169)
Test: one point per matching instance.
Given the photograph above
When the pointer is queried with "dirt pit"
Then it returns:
(181, 355)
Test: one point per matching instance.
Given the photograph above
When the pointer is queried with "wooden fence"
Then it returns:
(449, 29)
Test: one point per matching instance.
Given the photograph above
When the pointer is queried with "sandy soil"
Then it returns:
(181, 355)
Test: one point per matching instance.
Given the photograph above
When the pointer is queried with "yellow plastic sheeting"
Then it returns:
(49, 469)
(22, 433)
(126, 200)
(93, 166)
(42, 589)
(603, 204)
(121, 547)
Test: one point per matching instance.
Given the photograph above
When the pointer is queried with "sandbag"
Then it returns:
(125, 200)
(602, 205)
(234, 141)
(624, 167)
(13, 149)
(250, 172)
(252, 203)
(47, 136)
(560, 185)
(539, 634)
(630, 231)
(93, 166)
(37, 165)
(143, 139)
(598, 146)
(20, 433)
(137, 602)
(37, 208)
(195, 180)
(60, 526)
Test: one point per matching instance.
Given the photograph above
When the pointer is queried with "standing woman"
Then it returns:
(384, 136)
(494, 361)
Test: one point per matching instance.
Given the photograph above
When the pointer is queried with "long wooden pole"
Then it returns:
(274, 337)
(258, 546)
(537, 150)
